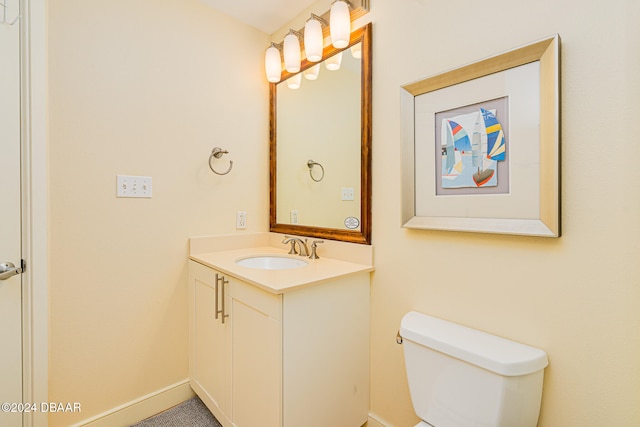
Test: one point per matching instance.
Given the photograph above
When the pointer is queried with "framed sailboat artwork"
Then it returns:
(481, 145)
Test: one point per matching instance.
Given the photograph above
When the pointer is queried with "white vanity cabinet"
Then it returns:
(299, 358)
(209, 341)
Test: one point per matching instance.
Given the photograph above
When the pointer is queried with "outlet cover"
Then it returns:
(241, 220)
(347, 193)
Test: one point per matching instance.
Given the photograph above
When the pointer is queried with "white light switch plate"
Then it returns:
(134, 186)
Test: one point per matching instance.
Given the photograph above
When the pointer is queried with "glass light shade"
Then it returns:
(292, 53)
(333, 63)
(312, 73)
(340, 24)
(356, 50)
(294, 82)
(313, 40)
(273, 64)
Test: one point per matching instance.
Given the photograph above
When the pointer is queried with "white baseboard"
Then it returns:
(160, 400)
(142, 407)
(375, 421)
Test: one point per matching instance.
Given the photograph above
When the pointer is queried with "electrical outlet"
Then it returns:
(241, 220)
(347, 193)
(134, 186)
(294, 217)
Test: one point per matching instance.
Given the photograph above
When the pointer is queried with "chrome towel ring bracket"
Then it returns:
(218, 152)
(310, 165)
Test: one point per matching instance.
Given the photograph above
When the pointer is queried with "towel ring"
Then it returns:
(217, 152)
(310, 165)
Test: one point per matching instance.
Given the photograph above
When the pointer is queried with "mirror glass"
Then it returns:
(320, 146)
(320, 123)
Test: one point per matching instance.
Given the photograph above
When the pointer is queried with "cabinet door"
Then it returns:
(326, 354)
(209, 354)
(257, 373)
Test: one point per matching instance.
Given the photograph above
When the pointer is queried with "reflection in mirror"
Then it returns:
(320, 122)
(320, 146)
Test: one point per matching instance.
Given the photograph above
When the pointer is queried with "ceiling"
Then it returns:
(267, 16)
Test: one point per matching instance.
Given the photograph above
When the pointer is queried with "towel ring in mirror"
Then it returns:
(218, 152)
(310, 165)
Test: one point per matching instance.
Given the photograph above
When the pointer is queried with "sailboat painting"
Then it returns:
(472, 145)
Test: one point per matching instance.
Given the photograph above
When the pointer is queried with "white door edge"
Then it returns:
(35, 208)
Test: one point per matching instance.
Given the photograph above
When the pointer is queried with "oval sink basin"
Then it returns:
(271, 262)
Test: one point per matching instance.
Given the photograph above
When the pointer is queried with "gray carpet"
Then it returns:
(191, 413)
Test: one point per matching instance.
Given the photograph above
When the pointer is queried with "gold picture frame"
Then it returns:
(529, 78)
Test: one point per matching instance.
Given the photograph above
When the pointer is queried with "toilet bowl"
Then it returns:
(461, 377)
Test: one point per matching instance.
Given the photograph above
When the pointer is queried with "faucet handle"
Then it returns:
(314, 248)
(292, 241)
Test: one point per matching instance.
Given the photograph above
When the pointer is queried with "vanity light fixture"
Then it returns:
(294, 82)
(292, 51)
(340, 24)
(333, 63)
(356, 50)
(273, 63)
(313, 38)
(339, 17)
(312, 73)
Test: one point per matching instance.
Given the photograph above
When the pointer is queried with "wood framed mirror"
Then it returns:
(320, 147)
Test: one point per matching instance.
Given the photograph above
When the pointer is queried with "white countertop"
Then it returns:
(278, 281)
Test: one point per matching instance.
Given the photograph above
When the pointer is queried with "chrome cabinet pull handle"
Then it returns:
(224, 315)
(221, 310)
(216, 291)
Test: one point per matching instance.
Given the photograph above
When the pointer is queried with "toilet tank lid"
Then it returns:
(496, 354)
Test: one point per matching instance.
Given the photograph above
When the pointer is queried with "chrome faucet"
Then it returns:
(302, 250)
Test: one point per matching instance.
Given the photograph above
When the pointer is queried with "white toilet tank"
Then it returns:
(461, 377)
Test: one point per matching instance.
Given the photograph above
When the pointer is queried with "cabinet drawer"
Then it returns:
(269, 304)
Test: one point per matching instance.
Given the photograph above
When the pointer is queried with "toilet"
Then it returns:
(462, 377)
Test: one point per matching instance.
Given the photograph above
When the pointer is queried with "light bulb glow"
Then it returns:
(273, 64)
(294, 82)
(356, 50)
(340, 24)
(313, 40)
(333, 63)
(292, 53)
(312, 73)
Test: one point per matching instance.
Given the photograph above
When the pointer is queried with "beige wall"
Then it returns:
(577, 297)
(143, 80)
(145, 87)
